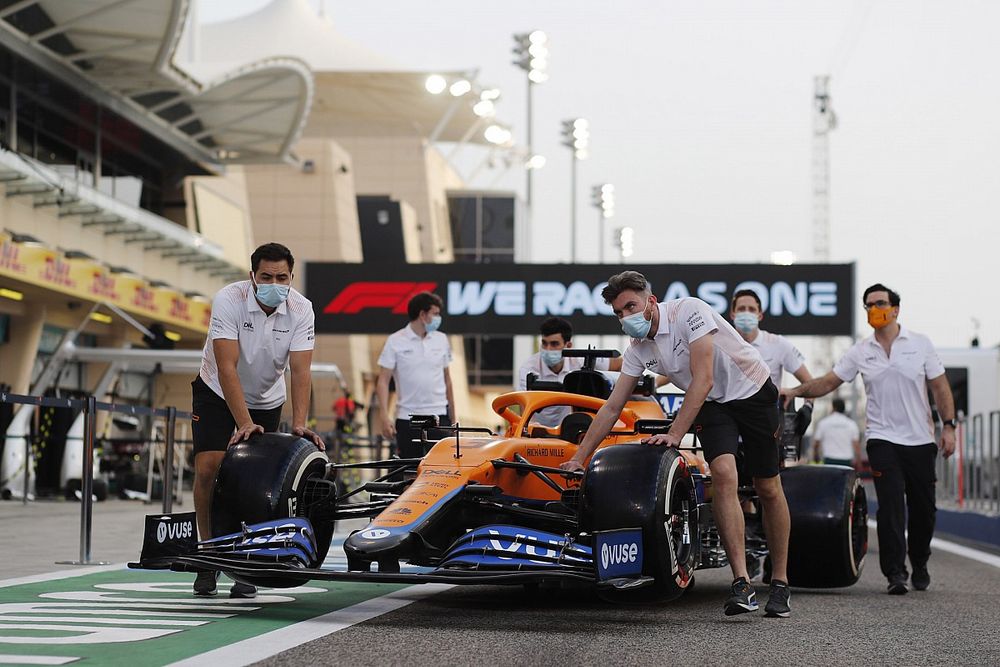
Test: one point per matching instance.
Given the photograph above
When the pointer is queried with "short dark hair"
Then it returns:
(422, 301)
(557, 325)
(879, 287)
(626, 280)
(838, 405)
(272, 252)
(746, 292)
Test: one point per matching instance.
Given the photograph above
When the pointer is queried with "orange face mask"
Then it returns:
(880, 317)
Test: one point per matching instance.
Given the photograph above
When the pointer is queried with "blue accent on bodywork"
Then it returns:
(516, 547)
(280, 540)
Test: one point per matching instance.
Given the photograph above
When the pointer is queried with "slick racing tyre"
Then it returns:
(264, 478)
(660, 500)
(829, 536)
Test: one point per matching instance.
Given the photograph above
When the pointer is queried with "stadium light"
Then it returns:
(576, 137)
(531, 54)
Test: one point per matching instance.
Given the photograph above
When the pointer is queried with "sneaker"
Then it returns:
(897, 585)
(241, 590)
(777, 600)
(920, 578)
(742, 599)
(204, 584)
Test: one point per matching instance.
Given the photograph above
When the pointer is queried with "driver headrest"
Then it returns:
(587, 383)
(574, 426)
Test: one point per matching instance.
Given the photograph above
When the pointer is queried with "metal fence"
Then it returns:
(90, 406)
(970, 479)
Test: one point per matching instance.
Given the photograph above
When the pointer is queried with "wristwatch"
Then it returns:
(949, 422)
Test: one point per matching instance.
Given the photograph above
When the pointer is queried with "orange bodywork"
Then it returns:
(455, 462)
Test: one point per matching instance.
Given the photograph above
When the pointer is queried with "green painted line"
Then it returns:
(151, 618)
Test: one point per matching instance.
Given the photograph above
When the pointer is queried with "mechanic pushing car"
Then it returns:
(780, 355)
(729, 396)
(259, 327)
(549, 365)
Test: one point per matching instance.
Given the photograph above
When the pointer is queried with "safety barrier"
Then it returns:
(970, 480)
(91, 406)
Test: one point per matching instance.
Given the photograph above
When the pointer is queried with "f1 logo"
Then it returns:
(361, 295)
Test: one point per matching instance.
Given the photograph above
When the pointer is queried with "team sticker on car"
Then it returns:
(618, 553)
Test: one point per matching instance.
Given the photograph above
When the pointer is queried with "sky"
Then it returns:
(701, 116)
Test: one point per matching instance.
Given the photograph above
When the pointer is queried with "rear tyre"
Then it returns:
(662, 503)
(263, 479)
(829, 536)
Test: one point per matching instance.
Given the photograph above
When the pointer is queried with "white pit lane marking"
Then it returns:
(272, 643)
(958, 549)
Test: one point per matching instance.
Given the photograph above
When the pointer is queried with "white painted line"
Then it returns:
(967, 552)
(272, 643)
(957, 549)
(61, 574)
(14, 659)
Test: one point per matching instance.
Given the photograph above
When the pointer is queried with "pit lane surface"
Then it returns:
(955, 622)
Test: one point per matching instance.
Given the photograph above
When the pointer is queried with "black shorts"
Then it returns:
(756, 420)
(212, 424)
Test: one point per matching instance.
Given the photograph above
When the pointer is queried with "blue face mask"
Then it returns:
(636, 325)
(434, 324)
(745, 322)
(271, 294)
(552, 358)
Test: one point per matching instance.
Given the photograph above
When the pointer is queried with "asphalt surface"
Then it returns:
(954, 622)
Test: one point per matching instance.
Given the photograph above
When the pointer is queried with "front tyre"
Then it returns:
(660, 500)
(263, 478)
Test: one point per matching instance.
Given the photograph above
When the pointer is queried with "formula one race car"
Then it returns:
(481, 508)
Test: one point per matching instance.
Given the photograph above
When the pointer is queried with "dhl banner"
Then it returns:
(36, 264)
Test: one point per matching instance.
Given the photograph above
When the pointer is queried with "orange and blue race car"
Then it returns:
(488, 508)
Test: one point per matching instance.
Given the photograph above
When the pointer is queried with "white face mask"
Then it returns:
(746, 321)
(636, 325)
(552, 358)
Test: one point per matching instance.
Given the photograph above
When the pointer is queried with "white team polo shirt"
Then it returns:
(418, 365)
(265, 342)
(896, 385)
(836, 434)
(552, 416)
(778, 353)
(738, 369)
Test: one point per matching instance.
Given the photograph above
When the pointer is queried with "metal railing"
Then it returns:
(970, 479)
(91, 406)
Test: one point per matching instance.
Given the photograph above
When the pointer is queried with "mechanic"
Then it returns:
(259, 328)
(417, 358)
(778, 352)
(836, 440)
(550, 366)
(729, 395)
(898, 366)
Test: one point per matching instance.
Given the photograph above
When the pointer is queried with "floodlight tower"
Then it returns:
(531, 54)
(824, 121)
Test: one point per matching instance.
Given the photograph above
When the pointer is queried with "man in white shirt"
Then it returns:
(836, 440)
(898, 366)
(417, 358)
(777, 351)
(729, 396)
(550, 366)
(259, 328)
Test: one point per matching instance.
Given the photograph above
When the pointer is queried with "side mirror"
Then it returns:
(653, 426)
(422, 422)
